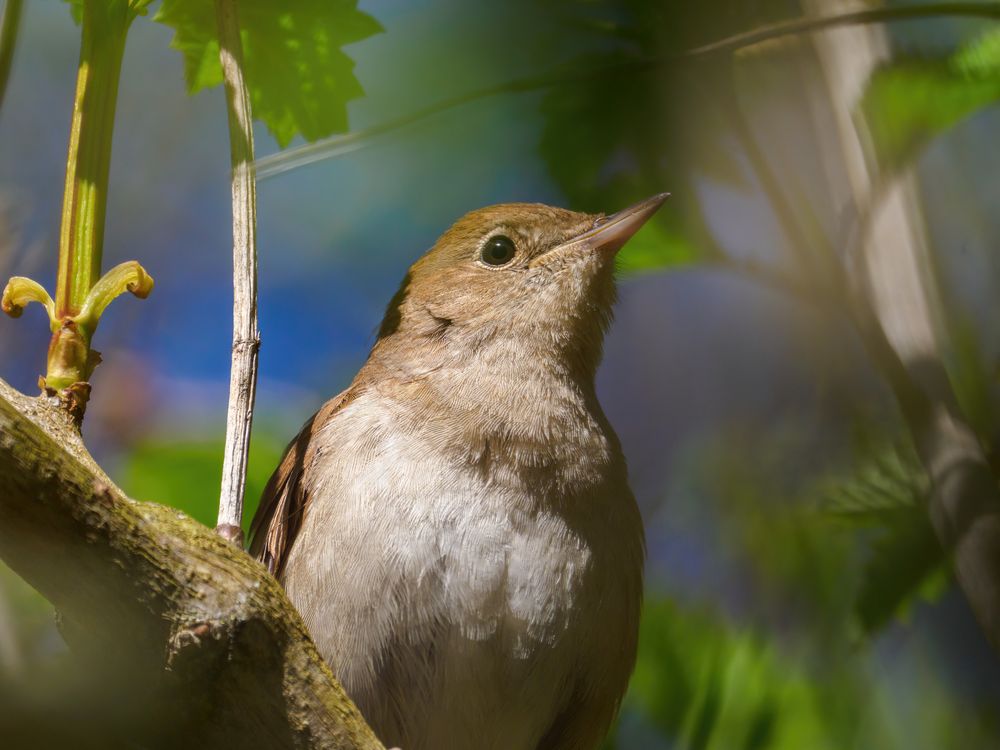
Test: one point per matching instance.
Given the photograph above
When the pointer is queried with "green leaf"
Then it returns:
(602, 151)
(75, 9)
(970, 374)
(618, 129)
(906, 565)
(981, 57)
(299, 78)
(888, 480)
(704, 684)
(888, 492)
(909, 102)
(657, 246)
(590, 143)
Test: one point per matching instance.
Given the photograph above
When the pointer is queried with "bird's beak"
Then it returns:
(610, 233)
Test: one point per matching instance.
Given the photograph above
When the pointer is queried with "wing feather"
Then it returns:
(286, 497)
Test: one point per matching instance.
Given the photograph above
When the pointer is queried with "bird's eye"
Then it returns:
(498, 250)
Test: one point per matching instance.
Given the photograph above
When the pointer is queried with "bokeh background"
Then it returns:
(796, 596)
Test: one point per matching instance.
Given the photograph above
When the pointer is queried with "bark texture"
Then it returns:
(187, 624)
(246, 333)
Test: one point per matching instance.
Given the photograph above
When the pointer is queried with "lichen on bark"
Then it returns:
(191, 628)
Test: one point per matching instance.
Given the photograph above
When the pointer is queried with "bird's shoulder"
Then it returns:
(285, 498)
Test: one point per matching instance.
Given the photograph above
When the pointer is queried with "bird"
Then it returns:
(456, 527)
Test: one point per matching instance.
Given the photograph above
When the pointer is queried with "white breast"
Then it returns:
(448, 605)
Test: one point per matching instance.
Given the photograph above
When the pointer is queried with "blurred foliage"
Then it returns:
(624, 132)
(776, 663)
(973, 378)
(32, 627)
(887, 492)
(971, 374)
(844, 551)
(909, 102)
(906, 565)
(906, 104)
(299, 78)
(887, 481)
(709, 685)
(139, 7)
(809, 565)
(186, 473)
(703, 682)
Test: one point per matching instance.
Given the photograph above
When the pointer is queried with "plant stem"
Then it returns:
(8, 40)
(104, 28)
(246, 335)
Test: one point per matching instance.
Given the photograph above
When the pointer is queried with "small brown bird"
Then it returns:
(456, 527)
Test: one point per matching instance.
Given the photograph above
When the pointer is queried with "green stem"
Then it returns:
(105, 26)
(8, 39)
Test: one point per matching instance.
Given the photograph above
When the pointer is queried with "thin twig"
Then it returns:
(246, 334)
(270, 166)
(8, 40)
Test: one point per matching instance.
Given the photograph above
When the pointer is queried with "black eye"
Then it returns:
(498, 250)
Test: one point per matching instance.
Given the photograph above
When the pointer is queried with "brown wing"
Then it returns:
(279, 515)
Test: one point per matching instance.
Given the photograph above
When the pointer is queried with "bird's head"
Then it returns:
(532, 276)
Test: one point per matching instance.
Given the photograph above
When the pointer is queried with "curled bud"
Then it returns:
(20, 291)
(125, 277)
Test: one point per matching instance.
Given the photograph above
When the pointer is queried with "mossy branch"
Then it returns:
(178, 616)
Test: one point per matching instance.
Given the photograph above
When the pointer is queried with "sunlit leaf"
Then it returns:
(981, 57)
(707, 685)
(300, 79)
(909, 102)
(657, 246)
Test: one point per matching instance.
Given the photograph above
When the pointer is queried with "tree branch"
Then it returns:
(185, 622)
